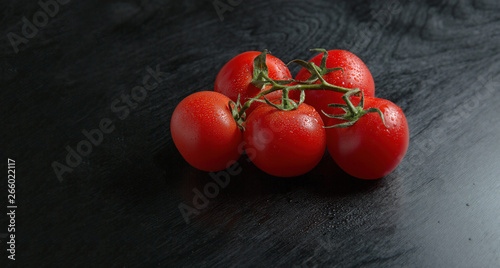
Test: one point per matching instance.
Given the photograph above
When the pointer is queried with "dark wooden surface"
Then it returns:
(438, 60)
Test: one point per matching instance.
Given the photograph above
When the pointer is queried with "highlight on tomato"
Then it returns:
(235, 78)
(286, 125)
(204, 131)
(285, 143)
(353, 74)
(374, 143)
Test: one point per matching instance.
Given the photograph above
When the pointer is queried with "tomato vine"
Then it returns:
(261, 79)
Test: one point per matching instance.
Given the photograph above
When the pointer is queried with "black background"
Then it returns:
(437, 60)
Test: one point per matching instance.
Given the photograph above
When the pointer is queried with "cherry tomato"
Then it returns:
(355, 75)
(235, 77)
(204, 131)
(367, 149)
(285, 143)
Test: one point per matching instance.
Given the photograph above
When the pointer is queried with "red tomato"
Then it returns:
(285, 143)
(204, 131)
(235, 77)
(367, 149)
(356, 75)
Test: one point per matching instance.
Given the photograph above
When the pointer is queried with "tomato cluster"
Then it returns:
(284, 125)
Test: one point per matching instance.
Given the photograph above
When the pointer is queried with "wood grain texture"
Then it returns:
(437, 60)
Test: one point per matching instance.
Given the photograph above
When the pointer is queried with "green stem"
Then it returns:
(249, 102)
(350, 106)
(276, 86)
(286, 105)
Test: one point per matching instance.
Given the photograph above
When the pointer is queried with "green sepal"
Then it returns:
(313, 78)
(272, 104)
(352, 114)
(340, 116)
(375, 110)
(334, 70)
(322, 68)
(324, 58)
(292, 103)
(338, 105)
(342, 125)
(302, 97)
(235, 108)
(260, 70)
(280, 107)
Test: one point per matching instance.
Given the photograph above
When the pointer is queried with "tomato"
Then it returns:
(235, 77)
(204, 131)
(285, 143)
(367, 149)
(355, 75)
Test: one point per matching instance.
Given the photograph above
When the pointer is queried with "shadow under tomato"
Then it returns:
(329, 179)
(252, 196)
(246, 181)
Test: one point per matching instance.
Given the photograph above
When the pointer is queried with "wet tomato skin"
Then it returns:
(204, 131)
(355, 75)
(236, 75)
(367, 149)
(285, 143)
